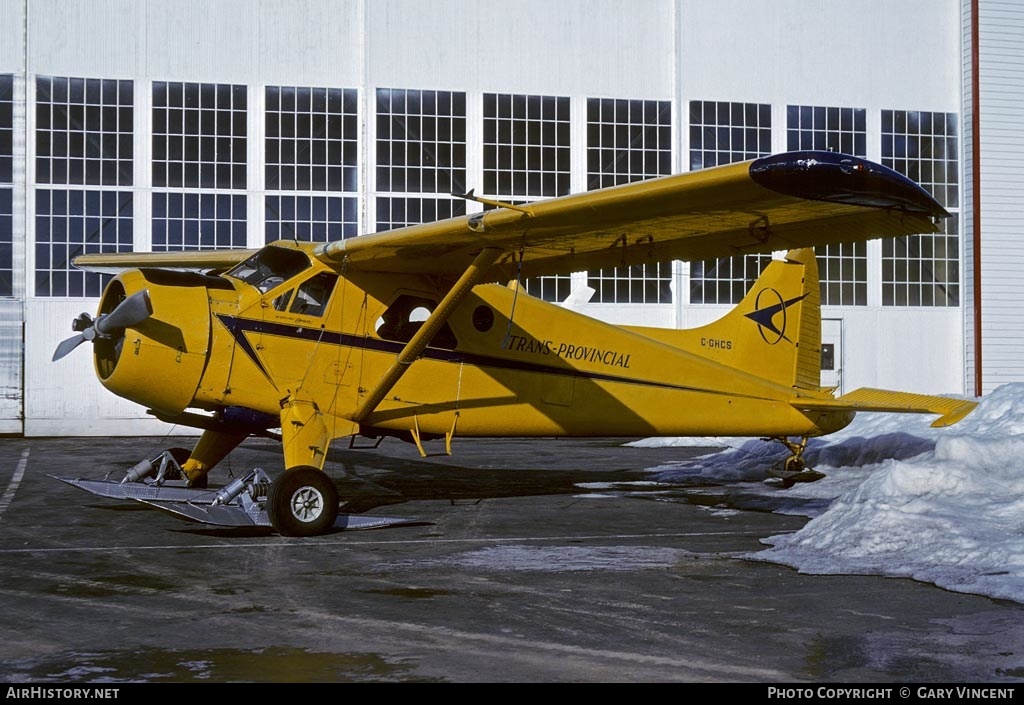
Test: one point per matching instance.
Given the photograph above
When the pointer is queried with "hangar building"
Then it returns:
(146, 125)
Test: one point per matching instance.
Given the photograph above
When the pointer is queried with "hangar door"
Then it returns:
(832, 353)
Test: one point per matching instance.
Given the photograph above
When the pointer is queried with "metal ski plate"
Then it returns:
(198, 505)
(216, 515)
(254, 515)
(169, 491)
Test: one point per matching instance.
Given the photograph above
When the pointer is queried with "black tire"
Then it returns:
(180, 455)
(302, 502)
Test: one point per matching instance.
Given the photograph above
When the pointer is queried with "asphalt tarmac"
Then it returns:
(532, 561)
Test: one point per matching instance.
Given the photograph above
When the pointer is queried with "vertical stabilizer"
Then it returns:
(775, 331)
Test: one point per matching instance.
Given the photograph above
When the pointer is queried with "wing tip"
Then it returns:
(955, 414)
(842, 178)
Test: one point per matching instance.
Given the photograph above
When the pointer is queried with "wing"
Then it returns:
(196, 260)
(782, 202)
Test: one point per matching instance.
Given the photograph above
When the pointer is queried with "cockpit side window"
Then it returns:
(406, 315)
(270, 267)
(311, 298)
(281, 300)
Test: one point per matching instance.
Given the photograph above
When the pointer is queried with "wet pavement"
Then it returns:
(533, 561)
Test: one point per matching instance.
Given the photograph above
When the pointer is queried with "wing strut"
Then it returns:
(414, 348)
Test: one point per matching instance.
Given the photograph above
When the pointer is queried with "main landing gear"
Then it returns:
(163, 467)
(302, 502)
(792, 469)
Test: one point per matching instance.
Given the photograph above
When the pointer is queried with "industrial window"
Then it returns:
(311, 146)
(828, 129)
(421, 141)
(199, 142)
(398, 212)
(199, 135)
(6, 183)
(6, 242)
(923, 270)
(843, 274)
(722, 133)
(84, 130)
(421, 149)
(635, 284)
(629, 140)
(6, 129)
(726, 279)
(527, 155)
(71, 222)
(194, 221)
(526, 145)
(311, 139)
(843, 268)
(84, 138)
(310, 218)
(549, 287)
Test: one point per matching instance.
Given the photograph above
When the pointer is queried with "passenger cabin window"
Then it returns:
(406, 316)
(270, 267)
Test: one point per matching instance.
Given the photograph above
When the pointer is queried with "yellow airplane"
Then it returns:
(425, 332)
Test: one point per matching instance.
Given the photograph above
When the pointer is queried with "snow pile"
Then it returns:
(944, 506)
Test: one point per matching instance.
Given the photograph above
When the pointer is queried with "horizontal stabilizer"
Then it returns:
(950, 410)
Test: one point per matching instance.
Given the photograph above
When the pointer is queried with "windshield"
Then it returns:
(269, 267)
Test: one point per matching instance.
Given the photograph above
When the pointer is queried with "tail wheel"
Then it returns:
(302, 502)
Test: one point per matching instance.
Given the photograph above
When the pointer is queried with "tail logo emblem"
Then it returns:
(770, 315)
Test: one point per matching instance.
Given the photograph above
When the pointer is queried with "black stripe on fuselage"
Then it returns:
(240, 326)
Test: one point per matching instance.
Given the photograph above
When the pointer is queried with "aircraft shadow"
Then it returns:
(367, 479)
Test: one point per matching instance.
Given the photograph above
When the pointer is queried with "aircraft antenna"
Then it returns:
(471, 196)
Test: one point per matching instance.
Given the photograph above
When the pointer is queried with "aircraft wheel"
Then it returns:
(302, 502)
(180, 455)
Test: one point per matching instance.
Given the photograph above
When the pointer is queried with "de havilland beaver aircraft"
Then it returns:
(425, 332)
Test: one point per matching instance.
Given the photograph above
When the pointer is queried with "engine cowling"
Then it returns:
(159, 361)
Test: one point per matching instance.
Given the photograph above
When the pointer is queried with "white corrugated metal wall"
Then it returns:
(1001, 114)
(792, 51)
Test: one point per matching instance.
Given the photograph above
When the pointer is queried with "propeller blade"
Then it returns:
(132, 311)
(67, 346)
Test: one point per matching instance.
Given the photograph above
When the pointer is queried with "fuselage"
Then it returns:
(284, 326)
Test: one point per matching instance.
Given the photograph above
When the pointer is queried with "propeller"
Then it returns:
(130, 312)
